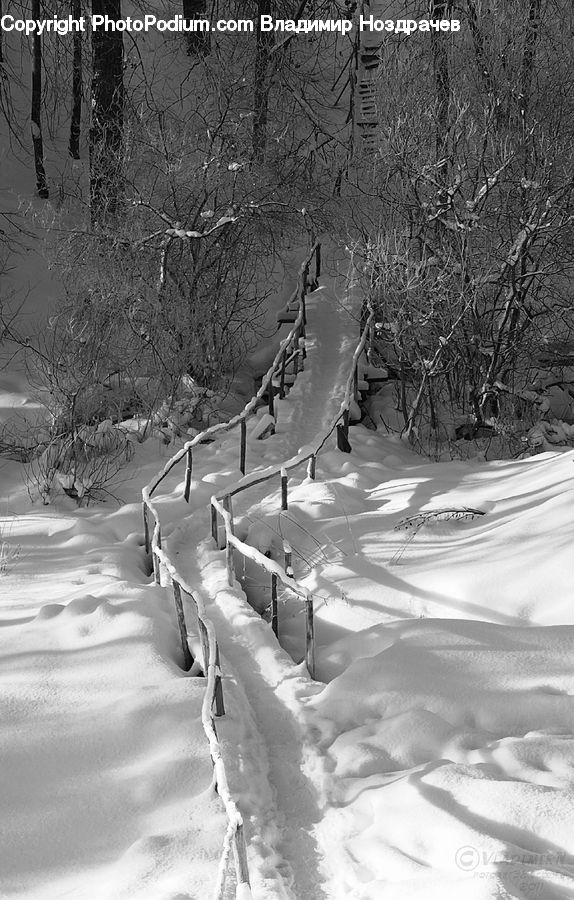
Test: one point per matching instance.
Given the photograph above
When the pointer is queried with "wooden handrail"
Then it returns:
(213, 698)
(249, 409)
(221, 506)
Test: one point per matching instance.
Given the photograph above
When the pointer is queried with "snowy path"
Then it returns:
(271, 763)
(332, 335)
(439, 760)
(276, 756)
(447, 722)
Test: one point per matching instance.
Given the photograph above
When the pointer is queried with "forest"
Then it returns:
(286, 440)
(181, 164)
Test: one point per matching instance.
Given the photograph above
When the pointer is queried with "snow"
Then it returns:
(432, 758)
(439, 671)
(444, 679)
(104, 758)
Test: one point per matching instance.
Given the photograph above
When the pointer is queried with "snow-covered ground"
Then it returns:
(438, 759)
(433, 759)
(105, 776)
(442, 746)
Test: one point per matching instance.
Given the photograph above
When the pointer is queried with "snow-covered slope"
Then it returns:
(105, 775)
(435, 758)
(446, 725)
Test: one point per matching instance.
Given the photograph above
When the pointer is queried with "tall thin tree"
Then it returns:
(197, 41)
(264, 41)
(441, 9)
(528, 55)
(36, 108)
(106, 131)
(75, 125)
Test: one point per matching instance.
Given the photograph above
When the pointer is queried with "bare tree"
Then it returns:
(36, 107)
(198, 42)
(473, 275)
(264, 41)
(77, 85)
(106, 132)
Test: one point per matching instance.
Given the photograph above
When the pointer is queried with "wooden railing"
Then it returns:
(291, 348)
(291, 351)
(213, 697)
(222, 506)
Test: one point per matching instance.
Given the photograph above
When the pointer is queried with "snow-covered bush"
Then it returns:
(84, 464)
(8, 550)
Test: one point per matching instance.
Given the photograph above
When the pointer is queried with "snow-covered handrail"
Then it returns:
(235, 836)
(221, 504)
(313, 449)
(213, 696)
(267, 382)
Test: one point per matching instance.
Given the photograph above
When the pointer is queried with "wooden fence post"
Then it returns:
(229, 563)
(188, 475)
(146, 529)
(284, 480)
(243, 450)
(240, 856)
(309, 636)
(204, 638)
(187, 657)
(214, 525)
(343, 434)
(271, 396)
(156, 563)
(311, 467)
(274, 616)
(228, 506)
(219, 707)
(228, 545)
(288, 558)
(282, 379)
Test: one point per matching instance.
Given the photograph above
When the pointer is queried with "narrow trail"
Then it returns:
(291, 766)
(332, 336)
(273, 769)
(271, 754)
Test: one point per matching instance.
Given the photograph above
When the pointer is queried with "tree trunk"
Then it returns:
(532, 29)
(261, 88)
(35, 116)
(106, 132)
(197, 41)
(75, 125)
(441, 9)
(479, 49)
